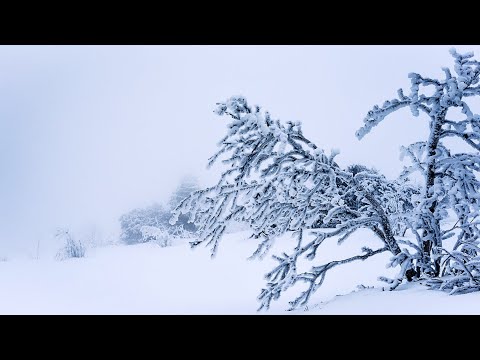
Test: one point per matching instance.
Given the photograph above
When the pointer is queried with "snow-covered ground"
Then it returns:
(149, 279)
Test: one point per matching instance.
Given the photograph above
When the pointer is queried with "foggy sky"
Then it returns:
(89, 132)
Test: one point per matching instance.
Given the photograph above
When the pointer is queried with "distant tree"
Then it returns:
(187, 186)
(157, 217)
(159, 235)
(132, 222)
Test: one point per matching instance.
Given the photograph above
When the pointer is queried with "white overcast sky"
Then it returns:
(89, 132)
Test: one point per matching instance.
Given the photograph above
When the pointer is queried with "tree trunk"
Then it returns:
(387, 229)
(388, 233)
(432, 231)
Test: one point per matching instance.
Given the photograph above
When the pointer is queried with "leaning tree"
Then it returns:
(278, 181)
(451, 186)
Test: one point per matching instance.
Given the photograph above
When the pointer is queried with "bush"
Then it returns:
(132, 222)
(155, 218)
(159, 235)
(73, 248)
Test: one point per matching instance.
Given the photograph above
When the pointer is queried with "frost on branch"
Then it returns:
(278, 181)
(451, 189)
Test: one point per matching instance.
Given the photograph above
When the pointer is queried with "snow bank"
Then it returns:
(149, 279)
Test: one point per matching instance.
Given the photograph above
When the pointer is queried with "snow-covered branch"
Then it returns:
(451, 180)
(278, 181)
(284, 276)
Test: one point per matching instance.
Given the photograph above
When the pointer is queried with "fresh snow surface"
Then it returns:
(149, 279)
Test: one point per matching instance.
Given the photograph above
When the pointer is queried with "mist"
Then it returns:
(90, 132)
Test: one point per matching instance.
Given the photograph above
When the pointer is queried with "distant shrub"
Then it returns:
(159, 235)
(132, 222)
(73, 248)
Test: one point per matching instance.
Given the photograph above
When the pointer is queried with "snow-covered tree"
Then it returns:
(278, 181)
(187, 185)
(132, 222)
(451, 178)
(159, 235)
(157, 216)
